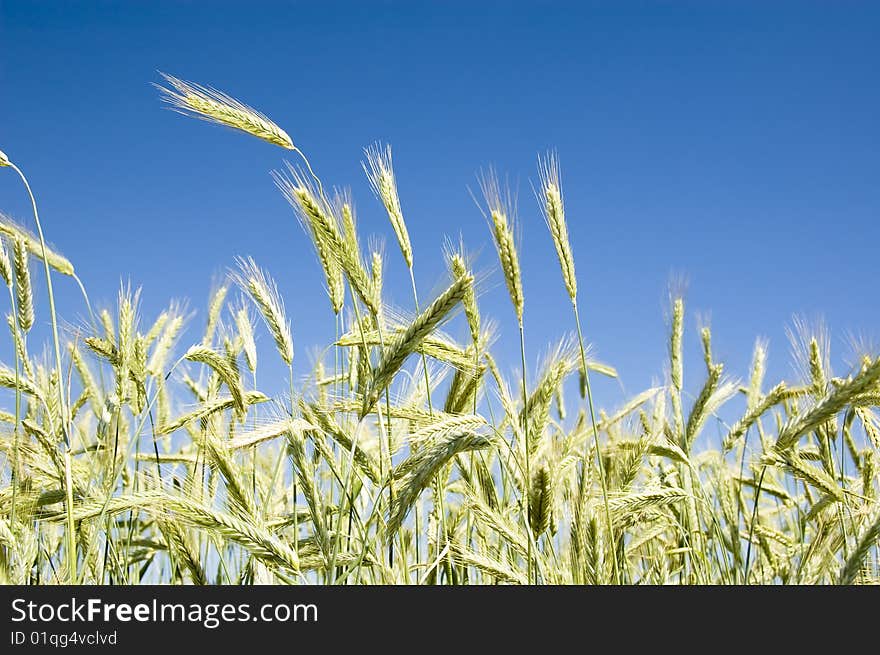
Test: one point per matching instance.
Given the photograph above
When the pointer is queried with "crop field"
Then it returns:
(131, 454)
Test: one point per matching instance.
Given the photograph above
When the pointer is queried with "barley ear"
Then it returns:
(412, 337)
(501, 209)
(215, 106)
(5, 265)
(457, 264)
(554, 214)
(264, 292)
(23, 287)
(380, 172)
(540, 501)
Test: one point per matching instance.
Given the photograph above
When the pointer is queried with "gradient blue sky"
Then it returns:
(735, 142)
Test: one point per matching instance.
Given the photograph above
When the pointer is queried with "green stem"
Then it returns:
(528, 473)
(752, 525)
(610, 526)
(412, 280)
(56, 341)
(16, 337)
(57, 346)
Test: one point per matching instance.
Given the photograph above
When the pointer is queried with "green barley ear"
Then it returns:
(224, 370)
(410, 339)
(675, 344)
(333, 274)
(456, 262)
(5, 266)
(246, 332)
(319, 222)
(165, 342)
(23, 287)
(349, 222)
(810, 345)
(264, 292)
(376, 271)
(13, 231)
(817, 371)
(380, 172)
(541, 501)
(156, 329)
(756, 378)
(828, 407)
(415, 473)
(554, 214)
(215, 306)
(706, 338)
(501, 212)
(215, 106)
(108, 325)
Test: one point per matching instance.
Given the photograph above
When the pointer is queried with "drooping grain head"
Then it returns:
(4, 160)
(501, 214)
(216, 107)
(12, 231)
(318, 219)
(380, 171)
(264, 292)
(554, 214)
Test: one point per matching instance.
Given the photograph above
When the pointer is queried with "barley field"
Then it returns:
(404, 456)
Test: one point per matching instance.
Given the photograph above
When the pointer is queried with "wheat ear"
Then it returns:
(215, 106)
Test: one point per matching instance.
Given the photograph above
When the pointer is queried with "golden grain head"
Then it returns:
(215, 106)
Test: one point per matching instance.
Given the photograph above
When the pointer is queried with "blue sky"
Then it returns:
(733, 142)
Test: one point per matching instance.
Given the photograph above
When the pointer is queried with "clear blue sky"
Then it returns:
(734, 142)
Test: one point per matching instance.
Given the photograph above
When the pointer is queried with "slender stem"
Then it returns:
(354, 445)
(71, 534)
(16, 337)
(71, 544)
(610, 525)
(752, 525)
(56, 341)
(412, 280)
(388, 435)
(293, 471)
(528, 473)
(438, 483)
